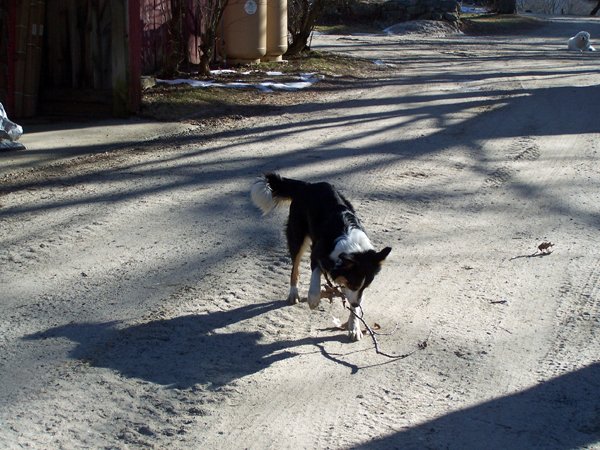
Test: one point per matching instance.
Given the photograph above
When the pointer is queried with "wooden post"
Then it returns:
(74, 44)
(92, 62)
(34, 57)
(22, 27)
(120, 57)
(126, 56)
(135, 56)
(12, 36)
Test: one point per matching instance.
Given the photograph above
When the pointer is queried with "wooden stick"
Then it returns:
(330, 292)
(372, 333)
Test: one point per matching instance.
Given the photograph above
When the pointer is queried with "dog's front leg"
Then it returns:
(355, 300)
(354, 330)
(314, 291)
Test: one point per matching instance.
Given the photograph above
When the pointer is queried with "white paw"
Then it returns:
(354, 330)
(314, 299)
(355, 334)
(314, 290)
(293, 296)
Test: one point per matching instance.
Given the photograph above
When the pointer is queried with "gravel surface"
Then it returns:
(143, 296)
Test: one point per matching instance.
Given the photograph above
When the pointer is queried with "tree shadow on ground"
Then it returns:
(183, 351)
(561, 413)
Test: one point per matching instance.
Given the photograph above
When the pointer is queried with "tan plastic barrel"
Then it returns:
(277, 38)
(245, 30)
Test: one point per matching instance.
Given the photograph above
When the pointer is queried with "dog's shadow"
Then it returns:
(183, 351)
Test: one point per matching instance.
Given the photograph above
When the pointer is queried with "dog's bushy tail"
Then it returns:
(271, 190)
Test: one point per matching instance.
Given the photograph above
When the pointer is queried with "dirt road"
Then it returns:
(143, 295)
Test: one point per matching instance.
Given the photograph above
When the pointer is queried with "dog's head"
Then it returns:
(356, 271)
(584, 37)
(580, 41)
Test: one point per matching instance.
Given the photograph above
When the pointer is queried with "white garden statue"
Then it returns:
(10, 132)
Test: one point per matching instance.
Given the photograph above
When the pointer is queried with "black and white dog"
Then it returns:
(321, 217)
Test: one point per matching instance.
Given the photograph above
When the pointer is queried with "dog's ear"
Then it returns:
(383, 254)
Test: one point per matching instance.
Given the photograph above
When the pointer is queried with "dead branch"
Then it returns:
(330, 292)
(374, 338)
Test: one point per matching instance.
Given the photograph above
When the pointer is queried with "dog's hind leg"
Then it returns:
(297, 243)
(314, 290)
(294, 296)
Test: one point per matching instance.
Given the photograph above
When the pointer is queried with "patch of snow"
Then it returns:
(223, 72)
(472, 9)
(305, 81)
(383, 64)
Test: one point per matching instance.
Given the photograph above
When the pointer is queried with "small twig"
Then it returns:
(389, 333)
(374, 338)
(330, 292)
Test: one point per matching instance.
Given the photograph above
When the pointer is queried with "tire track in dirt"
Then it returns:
(525, 149)
(577, 320)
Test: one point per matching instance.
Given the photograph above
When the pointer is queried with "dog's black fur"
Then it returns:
(339, 245)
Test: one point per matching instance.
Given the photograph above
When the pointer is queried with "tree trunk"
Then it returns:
(212, 12)
(302, 18)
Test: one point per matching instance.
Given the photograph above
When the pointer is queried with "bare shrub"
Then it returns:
(302, 17)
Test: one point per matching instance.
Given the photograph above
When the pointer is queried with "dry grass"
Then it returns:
(207, 105)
